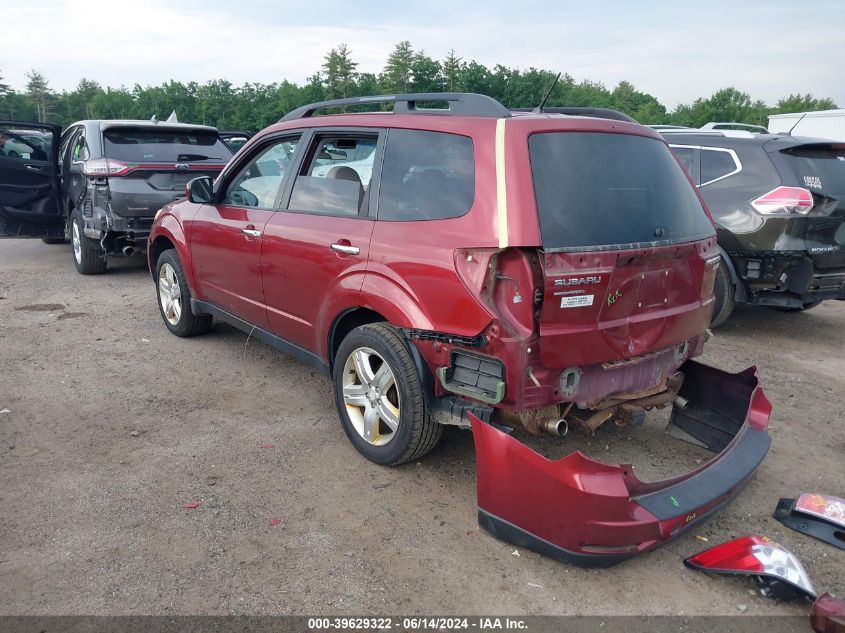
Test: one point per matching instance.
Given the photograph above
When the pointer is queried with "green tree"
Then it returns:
(802, 103)
(426, 73)
(399, 70)
(4, 88)
(452, 67)
(368, 84)
(339, 73)
(39, 92)
(80, 103)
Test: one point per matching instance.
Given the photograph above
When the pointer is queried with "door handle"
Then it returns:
(345, 249)
(34, 167)
(251, 232)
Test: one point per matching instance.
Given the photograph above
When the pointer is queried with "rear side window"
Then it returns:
(167, 146)
(601, 190)
(426, 176)
(716, 164)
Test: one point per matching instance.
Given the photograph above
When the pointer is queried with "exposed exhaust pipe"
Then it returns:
(558, 428)
(129, 251)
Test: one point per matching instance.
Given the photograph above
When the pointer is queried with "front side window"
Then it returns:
(258, 183)
(336, 178)
(426, 176)
(80, 149)
(602, 190)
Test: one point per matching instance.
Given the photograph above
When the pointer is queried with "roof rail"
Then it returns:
(691, 130)
(460, 104)
(599, 113)
(700, 132)
(728, 125)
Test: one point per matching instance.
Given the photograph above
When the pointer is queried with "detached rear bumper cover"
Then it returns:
(591, 514)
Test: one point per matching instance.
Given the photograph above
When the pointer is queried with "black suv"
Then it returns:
(100, 183)
(779, 206)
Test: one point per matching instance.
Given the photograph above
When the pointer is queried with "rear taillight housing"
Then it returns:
(761, 557)
(784, 201)
(98, 167)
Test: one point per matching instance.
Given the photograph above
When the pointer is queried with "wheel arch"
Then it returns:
(168, 234)
(739, 287)
(344, 323)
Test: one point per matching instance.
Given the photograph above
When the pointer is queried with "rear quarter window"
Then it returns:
(426, 176)
(603, 190)
(717, 164)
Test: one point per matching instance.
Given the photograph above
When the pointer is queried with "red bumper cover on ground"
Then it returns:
(588, 513)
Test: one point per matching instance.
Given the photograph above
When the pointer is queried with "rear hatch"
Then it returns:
(628, 248)
(820, 168)
(149, 167)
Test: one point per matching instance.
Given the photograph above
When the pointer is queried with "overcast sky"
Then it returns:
(674, 50)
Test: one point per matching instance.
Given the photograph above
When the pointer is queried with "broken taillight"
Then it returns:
(780, 572)
(505, 280)
(784, 201)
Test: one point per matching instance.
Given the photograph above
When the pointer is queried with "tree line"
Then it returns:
(253, 106)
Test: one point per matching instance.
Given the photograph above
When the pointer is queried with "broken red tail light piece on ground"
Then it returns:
(778, 570)
(828, 614)
(192, 505)
(816, 515)
(581, 511)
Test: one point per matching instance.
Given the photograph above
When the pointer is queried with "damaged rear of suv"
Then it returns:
(472, 266)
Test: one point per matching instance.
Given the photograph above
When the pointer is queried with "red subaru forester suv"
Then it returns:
(475, 266)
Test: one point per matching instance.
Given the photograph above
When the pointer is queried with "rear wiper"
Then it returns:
(190, 157)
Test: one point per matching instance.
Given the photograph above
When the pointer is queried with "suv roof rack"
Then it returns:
(599, 113)
(711, 132)
(728, 125)
(460, 104)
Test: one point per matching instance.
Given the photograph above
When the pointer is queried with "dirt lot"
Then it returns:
(114, 424)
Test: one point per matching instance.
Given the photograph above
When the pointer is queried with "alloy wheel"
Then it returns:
(371, 396)
(169, 294)
(76, 239)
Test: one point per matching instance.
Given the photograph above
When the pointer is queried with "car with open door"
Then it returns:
(474, 266)
(30, 189)
(107, 180)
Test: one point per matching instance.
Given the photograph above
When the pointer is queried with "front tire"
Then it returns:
(174, 298)
(88, 256)
(724, 293)
(379, 397)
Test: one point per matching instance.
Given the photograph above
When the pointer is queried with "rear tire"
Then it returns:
(88, 256)
(174, 298)
(379, 397)
(724, 293)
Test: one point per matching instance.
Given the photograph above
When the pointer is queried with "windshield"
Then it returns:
(165, 146)
(603, 190)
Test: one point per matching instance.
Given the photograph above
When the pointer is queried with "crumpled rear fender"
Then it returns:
(588, 513)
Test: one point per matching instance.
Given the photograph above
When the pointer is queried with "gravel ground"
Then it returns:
(114, 425)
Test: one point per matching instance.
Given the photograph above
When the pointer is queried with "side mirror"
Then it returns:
(200, 190)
